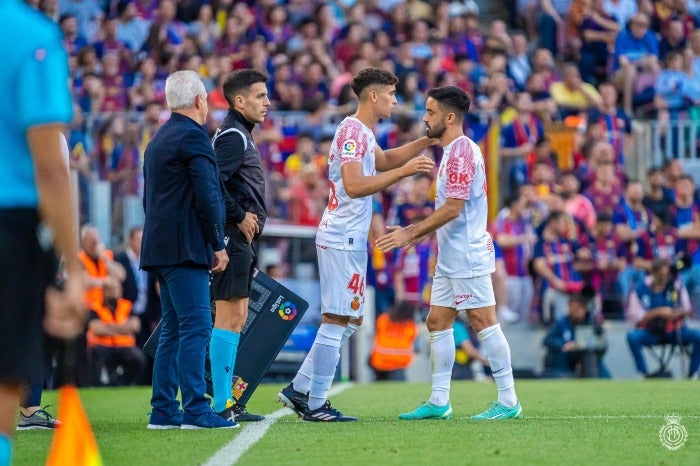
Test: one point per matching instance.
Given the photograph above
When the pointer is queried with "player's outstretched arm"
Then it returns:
(401, 237)
(397, 157)
(358, 185)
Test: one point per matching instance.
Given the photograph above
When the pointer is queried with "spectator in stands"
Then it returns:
(518, 141)
(72, 40)
(694, 53)
(674, 89)
(111, 339)
(636, 54)
(395, 334)
(567, 355)
(685, 215)
(303, 205)
(131, 29)
(673, 39)
(608, 256)
(88, 14)
(573, 96)
(659, 242)
(417, 202)
(605, 192)
(542, 103)
(575, 203)
(514, 235)
(658, 197)
(615, 123)
(555, 259)
(551, 22)
(658, 308)
(519, 68)
(598, 31)
(621, 10)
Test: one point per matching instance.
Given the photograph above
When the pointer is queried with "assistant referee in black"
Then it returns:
(243, 186)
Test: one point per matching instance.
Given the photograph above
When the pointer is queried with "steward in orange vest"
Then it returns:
(396, 331)
(111, 337)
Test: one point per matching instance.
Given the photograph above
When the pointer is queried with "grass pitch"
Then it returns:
(566, 422)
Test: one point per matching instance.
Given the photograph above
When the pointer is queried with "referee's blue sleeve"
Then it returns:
(42, 91)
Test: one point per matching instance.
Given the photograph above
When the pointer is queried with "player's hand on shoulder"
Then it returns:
(220, 261)
(420, 164)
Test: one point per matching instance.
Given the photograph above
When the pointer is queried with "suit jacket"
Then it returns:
(182, 197)
(130, 289)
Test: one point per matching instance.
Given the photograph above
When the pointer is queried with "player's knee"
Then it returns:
(436, 323)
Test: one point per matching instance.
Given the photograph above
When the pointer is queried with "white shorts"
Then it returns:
(462, 293)
(342, 277)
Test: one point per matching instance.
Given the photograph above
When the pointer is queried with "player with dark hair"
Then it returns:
(244, 195)
(465, 260)
(341, 241)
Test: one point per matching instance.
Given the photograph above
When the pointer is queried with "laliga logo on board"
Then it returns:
(287, 311)
(673, 434)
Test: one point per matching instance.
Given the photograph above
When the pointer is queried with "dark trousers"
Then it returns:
(637, 339)
(185, 333)
(131, 359)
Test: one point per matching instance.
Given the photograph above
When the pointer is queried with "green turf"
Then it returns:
(566, 422)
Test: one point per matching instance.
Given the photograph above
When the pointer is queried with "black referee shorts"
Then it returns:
(236, 280)
(26, 268)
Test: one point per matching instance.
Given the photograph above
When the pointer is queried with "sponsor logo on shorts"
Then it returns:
(461, 298)
(287, 310)
(355, 304)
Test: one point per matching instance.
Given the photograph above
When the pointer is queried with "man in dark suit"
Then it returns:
(182, 239)
(135, 284)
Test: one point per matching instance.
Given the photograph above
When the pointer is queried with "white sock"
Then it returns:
(302, 381)
(442, 358)
(325, 361)
(495, 348)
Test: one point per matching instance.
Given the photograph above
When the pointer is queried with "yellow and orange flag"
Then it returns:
(73, 442)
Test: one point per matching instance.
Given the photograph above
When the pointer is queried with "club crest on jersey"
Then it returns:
(355, 304)
(349, 148)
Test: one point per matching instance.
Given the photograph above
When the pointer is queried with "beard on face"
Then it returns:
(437, 131)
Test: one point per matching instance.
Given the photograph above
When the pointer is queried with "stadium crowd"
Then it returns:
(588, 65)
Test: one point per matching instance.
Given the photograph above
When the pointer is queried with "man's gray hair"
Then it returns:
(181, 89)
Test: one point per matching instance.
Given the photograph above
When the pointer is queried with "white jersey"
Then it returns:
(465, 248)
(345, 222)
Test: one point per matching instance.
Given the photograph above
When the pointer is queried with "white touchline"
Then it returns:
(230, 453)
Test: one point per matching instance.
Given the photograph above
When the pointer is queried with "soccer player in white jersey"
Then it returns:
(465, 261)
(341, 241)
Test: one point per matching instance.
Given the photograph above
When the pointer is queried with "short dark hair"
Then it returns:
(453, 98)
(370, 77)
(241, 80)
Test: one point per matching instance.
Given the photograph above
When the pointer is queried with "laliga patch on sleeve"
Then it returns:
(349, 149)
